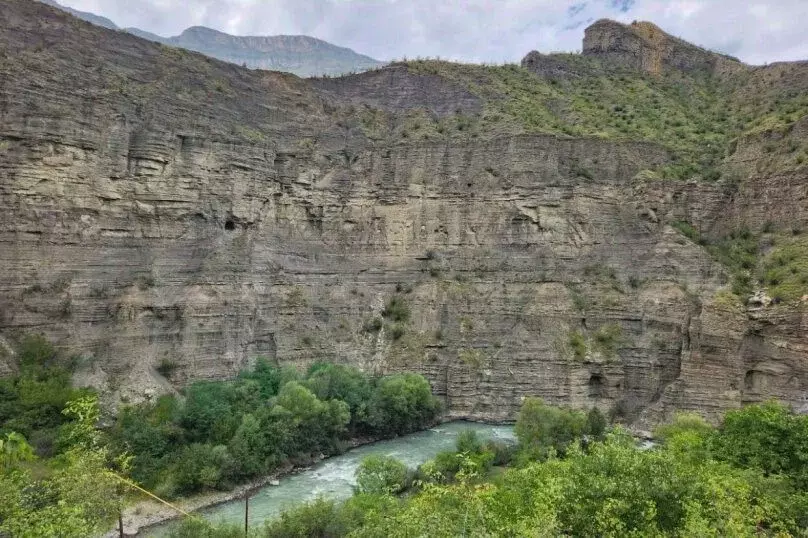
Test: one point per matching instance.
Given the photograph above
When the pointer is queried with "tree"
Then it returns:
(80, 497)
(541, 427)
(199, 466)
(266, 375)
(247, 447)
(338, 382)
(595, 424)
(31, 403)
(402, 403)
(767, 437)
(14, 449)
(317, 424)
(469, 442)
(381, 475)
(207, 412)
(612, 490)
(688, 435)
(148, 432)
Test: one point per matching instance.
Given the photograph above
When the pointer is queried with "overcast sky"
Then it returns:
(477, 30)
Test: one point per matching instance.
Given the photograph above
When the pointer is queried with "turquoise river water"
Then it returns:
(333, 478)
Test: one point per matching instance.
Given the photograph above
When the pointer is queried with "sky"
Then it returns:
(497, 31)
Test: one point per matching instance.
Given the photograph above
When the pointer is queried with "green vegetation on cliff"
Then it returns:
(697, 116)
(776, 260)
(32, 401)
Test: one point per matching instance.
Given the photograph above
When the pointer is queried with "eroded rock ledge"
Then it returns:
(196, 215)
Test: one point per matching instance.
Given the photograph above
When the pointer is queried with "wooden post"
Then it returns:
(120, 524)
(246, 514)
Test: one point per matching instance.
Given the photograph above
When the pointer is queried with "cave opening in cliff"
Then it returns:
(229, 225)
(597, 388)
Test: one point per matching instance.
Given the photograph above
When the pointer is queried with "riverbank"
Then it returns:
(148, 513)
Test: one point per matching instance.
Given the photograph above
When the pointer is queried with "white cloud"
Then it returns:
(476, 30)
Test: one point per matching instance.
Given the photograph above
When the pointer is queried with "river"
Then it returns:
(333, 478)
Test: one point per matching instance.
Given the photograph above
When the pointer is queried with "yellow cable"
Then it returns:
(150, 494)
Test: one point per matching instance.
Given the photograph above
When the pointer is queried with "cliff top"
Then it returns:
(645, 46)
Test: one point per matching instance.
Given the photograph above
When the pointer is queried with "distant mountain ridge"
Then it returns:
(84, 15)
(299, 54)
(304, 56)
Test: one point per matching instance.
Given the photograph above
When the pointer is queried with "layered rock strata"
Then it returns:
(170, 217)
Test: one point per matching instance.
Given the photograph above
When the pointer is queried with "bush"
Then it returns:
(317, 519)
(503, 452)
(578, 344)
(767, 437)
(397, 310)
(381, 475)
(541, 428)
(467, 441)
(595, 424)
(687, 229)
(167, 366)
(608, 338)
(402, 403)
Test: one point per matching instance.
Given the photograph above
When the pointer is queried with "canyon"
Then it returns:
(167, 217)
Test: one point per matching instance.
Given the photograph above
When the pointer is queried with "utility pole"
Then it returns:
(246, 514)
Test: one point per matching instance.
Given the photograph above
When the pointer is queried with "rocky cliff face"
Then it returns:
(644, 46)
(170, 217)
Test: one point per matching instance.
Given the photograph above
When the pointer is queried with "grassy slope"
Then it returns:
(699, 117)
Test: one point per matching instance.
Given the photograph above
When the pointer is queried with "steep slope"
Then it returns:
(302, 55)
(504, 232)
(83, 15)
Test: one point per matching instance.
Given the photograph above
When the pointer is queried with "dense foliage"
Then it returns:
(543, 429)
(74, 494)
(226, 432)
(472, 457)
(32, 401)
(745, 478)
(568, 475)
(216, 434)
(381, 474)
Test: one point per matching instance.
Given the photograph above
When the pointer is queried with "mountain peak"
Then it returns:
(645, 46)
(302, 55)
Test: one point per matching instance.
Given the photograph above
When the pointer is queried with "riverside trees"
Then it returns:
(743, 478)
(225, 432)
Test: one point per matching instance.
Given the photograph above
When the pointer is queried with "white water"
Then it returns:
(334, 478)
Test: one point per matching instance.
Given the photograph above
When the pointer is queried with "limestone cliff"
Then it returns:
(171, 217)
(644, 46)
